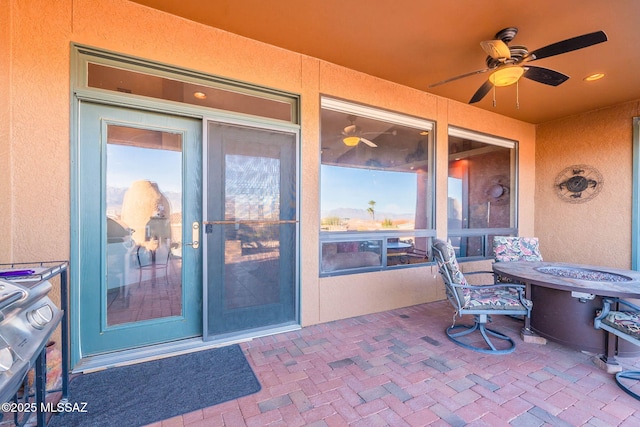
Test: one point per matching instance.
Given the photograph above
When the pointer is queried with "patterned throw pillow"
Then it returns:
(508, 249)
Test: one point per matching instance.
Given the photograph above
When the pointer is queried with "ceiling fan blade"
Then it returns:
(545, 76)
(369, 143)
(461, 76)
(496, 49)
(568, 45)
(480, 93)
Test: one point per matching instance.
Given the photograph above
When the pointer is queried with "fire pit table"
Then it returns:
(565, 299)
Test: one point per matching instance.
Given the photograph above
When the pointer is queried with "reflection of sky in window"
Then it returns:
(126, 164)
(343, 187)
(455, 188)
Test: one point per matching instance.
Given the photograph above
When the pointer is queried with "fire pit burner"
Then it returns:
(584, 274)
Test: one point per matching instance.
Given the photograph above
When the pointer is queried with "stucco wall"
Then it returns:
(5, 132)
(598, 231)
(40, 117)
(40, 129)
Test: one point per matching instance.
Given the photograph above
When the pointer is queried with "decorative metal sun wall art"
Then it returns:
(578, 183)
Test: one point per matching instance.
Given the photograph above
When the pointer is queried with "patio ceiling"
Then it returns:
(417, 43)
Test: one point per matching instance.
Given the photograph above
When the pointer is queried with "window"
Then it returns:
(108, 74)
(481, 191)
(376, 188)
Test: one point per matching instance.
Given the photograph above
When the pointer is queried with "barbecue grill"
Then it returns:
(28, 318)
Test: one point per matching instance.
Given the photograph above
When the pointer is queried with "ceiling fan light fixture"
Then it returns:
(506, 76)
(351, 141)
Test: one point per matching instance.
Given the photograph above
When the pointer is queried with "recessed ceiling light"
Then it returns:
(594, 77)
(200, 95)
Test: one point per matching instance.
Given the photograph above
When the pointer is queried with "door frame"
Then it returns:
(80, 90)
(262, 125)
(183, 326)
(84, 363)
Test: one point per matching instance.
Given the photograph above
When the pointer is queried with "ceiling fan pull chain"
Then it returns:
(518, 95)
(494, 95)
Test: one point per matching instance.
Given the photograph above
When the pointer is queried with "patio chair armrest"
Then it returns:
(629, 304)
(601, 314)
(477, 272)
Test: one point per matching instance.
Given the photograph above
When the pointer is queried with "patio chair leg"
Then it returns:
(631, 375)
(484, 331)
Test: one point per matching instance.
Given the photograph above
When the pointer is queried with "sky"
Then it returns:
(342, 187)
(126, 164)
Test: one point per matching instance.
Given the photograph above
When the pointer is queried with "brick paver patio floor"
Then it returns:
(398, 368)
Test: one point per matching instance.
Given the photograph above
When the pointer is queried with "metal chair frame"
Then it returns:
(157, 264)
(481, 315)
(597, 323)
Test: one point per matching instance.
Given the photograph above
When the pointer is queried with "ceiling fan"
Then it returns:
(352, 134)
(509, 63)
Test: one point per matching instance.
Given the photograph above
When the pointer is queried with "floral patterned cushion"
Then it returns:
(450, 263)
(496, 299)
(627, 322)
(508, 249)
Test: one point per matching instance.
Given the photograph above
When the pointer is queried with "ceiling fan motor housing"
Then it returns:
(518, 54)
(507, 34)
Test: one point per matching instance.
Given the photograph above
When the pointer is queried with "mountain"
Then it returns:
(363, 214)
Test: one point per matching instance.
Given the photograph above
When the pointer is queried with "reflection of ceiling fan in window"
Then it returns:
(352, 134)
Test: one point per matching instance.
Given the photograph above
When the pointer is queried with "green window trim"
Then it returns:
(85, 58)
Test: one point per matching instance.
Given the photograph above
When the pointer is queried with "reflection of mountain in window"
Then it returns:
(348, 191)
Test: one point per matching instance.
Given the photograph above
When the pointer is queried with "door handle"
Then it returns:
(195, 235)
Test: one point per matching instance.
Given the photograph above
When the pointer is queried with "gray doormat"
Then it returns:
(148, 392)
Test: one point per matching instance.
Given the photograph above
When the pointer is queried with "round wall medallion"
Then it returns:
(578, 183)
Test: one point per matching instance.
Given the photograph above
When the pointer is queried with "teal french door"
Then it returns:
(138, 193)
(250, 228)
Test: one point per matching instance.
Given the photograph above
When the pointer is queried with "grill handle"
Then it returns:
(8, 299)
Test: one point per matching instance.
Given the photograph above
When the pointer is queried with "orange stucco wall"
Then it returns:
(5, 126)
(39, 121)
(598, 231)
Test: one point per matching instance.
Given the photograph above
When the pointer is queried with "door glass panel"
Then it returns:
(143, 224)
(250, 234)
(252, 248)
